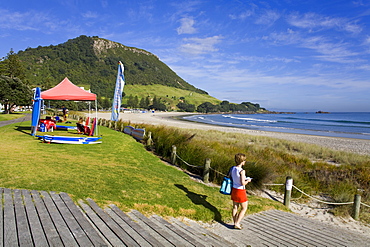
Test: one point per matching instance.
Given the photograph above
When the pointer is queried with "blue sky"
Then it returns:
(285, 55)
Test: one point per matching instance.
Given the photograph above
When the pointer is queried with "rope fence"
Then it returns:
(186, 163)
(288, 186)
(331, 203)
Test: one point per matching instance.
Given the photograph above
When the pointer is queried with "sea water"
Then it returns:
(335, 124)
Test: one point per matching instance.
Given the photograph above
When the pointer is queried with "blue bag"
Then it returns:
(226, 186)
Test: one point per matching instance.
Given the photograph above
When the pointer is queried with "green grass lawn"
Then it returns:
(5, 117)
(118, 171)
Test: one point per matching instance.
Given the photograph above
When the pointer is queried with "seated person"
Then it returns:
(57, 119)
(81, 128)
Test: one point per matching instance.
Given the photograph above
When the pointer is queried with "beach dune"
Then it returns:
(173, 119)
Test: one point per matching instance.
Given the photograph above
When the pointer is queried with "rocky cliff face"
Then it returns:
(102, 45)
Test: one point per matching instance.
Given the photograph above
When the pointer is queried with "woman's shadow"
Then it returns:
(199, 199)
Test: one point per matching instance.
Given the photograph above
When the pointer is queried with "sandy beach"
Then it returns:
(169, 119)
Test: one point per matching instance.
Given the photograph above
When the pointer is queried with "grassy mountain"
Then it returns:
(92, 62)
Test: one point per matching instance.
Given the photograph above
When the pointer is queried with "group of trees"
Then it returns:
(13, 91)
(226, 106)
(145, 103)
(206, 107)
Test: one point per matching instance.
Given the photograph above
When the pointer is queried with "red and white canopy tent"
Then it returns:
(66, 90)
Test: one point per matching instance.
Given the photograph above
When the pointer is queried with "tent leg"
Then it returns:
(96, 115)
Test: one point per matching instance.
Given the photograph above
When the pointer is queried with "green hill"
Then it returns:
(170, 96)
(92, 62)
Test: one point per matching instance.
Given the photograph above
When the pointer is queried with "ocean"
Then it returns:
(336, 124)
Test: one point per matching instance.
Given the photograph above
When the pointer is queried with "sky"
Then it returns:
(285, 55)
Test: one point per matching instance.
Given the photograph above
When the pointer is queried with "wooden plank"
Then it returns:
(299, 228)
(334, 235)
(201, 237)
(60, 225)
(36, 230)
(100, 225)
(135, 226)
(112, 224)
(73, 226)
(51, 232)
(269, 239)
(286, 235)
(163, 242)
(23, 229)
(124, 226)
(1, 218)
(87, 227)
(177, 231)
(10, 228)
(212, 236)
(155, 227)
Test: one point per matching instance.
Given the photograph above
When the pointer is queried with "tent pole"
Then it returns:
(96, 116)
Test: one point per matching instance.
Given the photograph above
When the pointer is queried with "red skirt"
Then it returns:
(239, 195)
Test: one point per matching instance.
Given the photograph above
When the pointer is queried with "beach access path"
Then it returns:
(40, 218)
(27, 117)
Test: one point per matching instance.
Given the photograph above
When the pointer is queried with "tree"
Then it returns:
(130, 101)
(186, 107)
(142, 104)
(12, 66)
(251, 106)
(225, 106)
(135, 102)
(13, 92)
(157, 105)
(147, 102)
(207, 107)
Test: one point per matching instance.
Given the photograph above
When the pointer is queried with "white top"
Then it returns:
(235, 175)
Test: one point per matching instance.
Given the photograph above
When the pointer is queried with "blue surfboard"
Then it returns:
(36, 109)
(70, 139)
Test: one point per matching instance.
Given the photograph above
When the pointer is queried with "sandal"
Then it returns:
(238, 227)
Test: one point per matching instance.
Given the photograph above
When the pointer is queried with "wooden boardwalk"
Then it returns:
(39, 218)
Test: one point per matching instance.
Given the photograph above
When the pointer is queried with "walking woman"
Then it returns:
(238, 192)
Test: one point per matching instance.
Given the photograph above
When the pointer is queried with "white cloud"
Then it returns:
(187, 26)
(242, 16)
(197, 46)
(268, 18)
(90, 15)
(21, 21)
(313, 21)
(325, 48)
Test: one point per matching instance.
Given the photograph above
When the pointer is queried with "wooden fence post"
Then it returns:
(288, 190)
(173, 155)
(356, 207)
(149, 141)
(207, 166)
